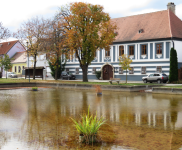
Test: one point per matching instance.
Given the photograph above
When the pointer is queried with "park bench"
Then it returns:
(114, 80)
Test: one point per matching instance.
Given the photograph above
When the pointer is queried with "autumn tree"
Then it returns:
(4, 32)
(124, 62)
(5, 62)
(33, 32)
(55, 47)
(88, 29)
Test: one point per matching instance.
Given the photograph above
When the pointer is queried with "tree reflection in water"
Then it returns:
(135, 120)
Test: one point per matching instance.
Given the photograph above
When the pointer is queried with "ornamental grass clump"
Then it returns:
(34, 88)
(88, 127)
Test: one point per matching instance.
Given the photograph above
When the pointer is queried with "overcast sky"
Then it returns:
(14, 12)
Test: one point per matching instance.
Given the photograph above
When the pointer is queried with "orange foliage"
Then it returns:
(89, 30)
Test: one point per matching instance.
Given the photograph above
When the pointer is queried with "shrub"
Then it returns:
(173, 73)
(61, 68)
(89, 127)
(98, 74)
(34, 88)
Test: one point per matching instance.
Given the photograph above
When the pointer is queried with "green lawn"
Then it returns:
(15, 80)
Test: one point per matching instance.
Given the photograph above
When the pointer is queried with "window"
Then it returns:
(93, 70)
(159, 69)
(23, 67)
(144, 49)
(143, 71)
(120, 70)
(131, 50)
(121, 50)
(19, 69)
(107, 52)
(151, 75)
(159, 48)
(76, 70)
(131, 71)
(67, 69)
(15, 68)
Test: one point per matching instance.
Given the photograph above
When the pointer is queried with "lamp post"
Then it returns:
(28, 61)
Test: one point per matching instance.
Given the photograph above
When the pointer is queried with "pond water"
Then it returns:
(135, 121)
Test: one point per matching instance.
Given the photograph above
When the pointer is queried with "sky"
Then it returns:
(14, 12)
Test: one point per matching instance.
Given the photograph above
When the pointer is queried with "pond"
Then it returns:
(135, 121)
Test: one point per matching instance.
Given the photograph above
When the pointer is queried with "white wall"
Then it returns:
(41, 62)
(178, 47)
(16, 48)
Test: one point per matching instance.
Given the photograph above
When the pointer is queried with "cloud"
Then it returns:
(15, 12)
(179, 10)
(144, 11)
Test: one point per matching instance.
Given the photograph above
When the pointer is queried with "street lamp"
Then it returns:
(28, 61)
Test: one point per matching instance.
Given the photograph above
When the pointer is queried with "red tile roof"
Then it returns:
(156, 25)
(176, 25)
(6, 46)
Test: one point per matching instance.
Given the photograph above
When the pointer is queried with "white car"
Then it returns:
(12, 75)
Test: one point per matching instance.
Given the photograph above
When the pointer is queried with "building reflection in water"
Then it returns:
(42, 118)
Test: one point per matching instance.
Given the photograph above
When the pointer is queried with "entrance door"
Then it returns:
(107, 72)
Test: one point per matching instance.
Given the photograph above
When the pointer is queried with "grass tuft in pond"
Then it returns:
(34, 88)
(88, 127)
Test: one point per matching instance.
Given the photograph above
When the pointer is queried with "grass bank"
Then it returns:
(15, 80)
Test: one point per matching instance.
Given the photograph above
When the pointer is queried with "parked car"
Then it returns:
(12, 75)
(156, 77)
(67, 75)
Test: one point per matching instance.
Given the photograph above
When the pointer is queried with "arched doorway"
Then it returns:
(107, 72)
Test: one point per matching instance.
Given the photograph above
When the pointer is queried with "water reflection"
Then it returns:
(41, 120)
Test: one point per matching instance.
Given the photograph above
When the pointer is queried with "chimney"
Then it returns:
(171, 6)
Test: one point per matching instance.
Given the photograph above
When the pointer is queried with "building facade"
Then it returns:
(10, 48)
(19, 62)
(146, 38)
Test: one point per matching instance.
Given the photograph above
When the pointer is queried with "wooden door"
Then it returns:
(107, 72)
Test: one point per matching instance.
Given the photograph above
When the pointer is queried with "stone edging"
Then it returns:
(78, 86)
(166, 90)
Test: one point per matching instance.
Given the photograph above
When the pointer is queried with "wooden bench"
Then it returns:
(114, 80)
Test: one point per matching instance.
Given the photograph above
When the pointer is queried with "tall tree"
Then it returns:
(88, 29)
(55, 47)
(124, 62)
(33, 31)
(4, 32)
(173, 73)
(56, 70)
(5, 62)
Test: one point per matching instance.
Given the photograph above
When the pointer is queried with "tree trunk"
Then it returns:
(85, 70)
(56, 73)
(34, 69)
(126, 76)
